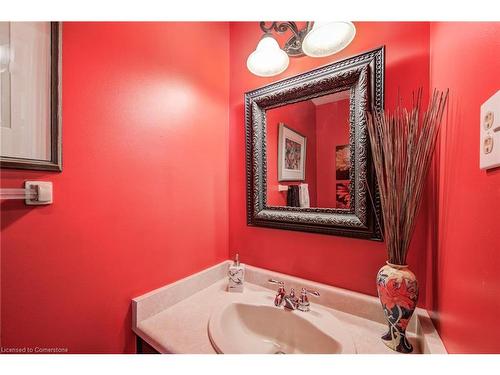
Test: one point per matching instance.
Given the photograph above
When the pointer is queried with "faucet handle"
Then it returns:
(305, 292)
(274, 281)
(280, 294)
(304, 300)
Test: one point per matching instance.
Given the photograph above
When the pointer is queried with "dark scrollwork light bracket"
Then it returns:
(293, 46)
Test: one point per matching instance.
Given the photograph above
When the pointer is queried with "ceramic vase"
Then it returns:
(397, 289)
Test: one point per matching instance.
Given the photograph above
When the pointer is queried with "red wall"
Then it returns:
(140, 156)
(466, 274)
(344, 262)
(142, 200)
(301, 118)
(332, 129)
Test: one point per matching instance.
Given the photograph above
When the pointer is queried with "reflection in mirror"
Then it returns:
(308, 153)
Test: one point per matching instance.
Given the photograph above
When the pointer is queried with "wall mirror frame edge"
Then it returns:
(55, 162)
(363, 74)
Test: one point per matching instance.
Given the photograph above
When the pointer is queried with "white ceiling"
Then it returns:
(331, 98)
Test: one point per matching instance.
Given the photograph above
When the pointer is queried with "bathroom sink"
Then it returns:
(243, 328)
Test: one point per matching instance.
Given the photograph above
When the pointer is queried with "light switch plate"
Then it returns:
(489, 147)
(44, 192)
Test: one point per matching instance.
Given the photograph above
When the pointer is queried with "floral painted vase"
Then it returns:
(398, 292)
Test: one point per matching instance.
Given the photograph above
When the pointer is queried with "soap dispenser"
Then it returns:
(236, 275)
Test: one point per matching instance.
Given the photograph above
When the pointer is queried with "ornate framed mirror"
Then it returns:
(308, 160)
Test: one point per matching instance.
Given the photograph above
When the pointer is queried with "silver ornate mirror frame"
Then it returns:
(363, 76)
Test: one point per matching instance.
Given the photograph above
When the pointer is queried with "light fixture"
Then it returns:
(327, 38)
(315, 40)
(268, 59)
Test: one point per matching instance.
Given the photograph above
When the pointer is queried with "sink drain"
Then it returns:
(279, 352)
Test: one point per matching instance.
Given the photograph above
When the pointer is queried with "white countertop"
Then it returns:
(180, 325)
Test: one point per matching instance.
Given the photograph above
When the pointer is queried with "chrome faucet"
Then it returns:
(290, 301)
(304, 304)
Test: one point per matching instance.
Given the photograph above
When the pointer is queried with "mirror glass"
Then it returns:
(308, 153)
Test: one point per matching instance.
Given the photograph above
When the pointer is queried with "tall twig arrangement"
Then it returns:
(402, 147)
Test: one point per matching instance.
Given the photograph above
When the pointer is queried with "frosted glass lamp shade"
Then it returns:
(327, 38)
(268, 59)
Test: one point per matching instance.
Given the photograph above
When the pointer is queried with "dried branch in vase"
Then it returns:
(402, 147)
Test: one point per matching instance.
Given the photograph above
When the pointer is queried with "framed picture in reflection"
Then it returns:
(343, 197)
(291, 154)
(342, 162)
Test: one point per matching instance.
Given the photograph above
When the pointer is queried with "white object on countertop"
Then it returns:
(304, 195)
(236, 276)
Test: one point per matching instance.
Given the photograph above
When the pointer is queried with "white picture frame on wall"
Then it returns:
(291, 154)
(30, 95)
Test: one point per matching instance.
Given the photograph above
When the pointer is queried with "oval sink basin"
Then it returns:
(242, 328)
